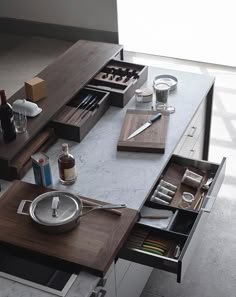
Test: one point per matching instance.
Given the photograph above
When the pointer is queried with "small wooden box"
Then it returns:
(121, 79)
(73, 122)
(35, 89)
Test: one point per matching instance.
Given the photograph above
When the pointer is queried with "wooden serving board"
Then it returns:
(93, 244)
(151, 140)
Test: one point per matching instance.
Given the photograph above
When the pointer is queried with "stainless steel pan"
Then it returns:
(58, 211)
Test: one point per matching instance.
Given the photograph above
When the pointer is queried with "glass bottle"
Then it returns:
(67, 166)
(7, 119)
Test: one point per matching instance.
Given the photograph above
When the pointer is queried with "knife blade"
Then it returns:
(145, 126)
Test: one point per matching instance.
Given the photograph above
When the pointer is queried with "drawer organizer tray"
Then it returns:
(169, 246)
(120, 79)
(78, 117)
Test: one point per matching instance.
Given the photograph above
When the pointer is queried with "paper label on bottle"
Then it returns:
(70, 173)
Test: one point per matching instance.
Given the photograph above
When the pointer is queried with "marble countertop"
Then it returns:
(119, 177)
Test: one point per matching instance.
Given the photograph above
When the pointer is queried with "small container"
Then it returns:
(188, 197)
(168, 185)
(165, 191)
(66, 166)
(20, 120)
(41, 169)
(138, 96)
(158, 200)
(161, 91)
(143, 98)
(192, 179)
(163, 196)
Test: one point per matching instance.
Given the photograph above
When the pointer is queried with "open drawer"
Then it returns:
(167, 233)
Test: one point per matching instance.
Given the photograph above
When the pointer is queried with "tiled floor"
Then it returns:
(213, 269)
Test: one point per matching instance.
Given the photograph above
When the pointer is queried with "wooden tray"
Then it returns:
(151, 140)
(76, 131)
(120, 91)
(94, 244)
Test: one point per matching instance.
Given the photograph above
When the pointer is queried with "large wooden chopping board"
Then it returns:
(94, 244)
(151, 140)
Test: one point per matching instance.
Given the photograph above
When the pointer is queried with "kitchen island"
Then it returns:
(126, 177)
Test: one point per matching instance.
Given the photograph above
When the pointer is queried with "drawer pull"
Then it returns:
(192, 131)
(208, 203)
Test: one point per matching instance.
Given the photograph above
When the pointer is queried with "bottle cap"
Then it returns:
(65, 147)
(138, 91)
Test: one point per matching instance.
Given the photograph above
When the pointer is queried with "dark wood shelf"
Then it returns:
(64, 78)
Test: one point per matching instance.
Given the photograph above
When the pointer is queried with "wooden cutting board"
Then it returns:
(93, 244)
(151, 140)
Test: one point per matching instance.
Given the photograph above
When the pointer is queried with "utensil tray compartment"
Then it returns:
(74, 123)
(120, 79)
(185, 227)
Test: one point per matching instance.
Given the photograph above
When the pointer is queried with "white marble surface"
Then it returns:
(126, 177)
(119, 177)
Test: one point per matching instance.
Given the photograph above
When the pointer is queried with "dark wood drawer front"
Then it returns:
(120, 79)
(169, 245)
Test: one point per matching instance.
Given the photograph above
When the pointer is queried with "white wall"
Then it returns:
(91, 14)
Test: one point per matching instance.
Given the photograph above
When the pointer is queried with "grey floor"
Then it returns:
(213, 268)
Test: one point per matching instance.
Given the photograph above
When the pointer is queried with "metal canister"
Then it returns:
(42, 170)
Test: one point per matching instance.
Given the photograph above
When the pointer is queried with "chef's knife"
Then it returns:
(146, 125)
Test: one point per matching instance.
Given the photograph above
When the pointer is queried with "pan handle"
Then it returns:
(21, 207)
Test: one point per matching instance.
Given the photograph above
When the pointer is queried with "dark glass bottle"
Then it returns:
(67, 166)
(7, 119)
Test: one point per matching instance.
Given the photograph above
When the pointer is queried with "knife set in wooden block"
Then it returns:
(78, 117)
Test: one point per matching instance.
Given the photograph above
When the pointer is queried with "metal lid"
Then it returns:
(170, 80)
(55, 208)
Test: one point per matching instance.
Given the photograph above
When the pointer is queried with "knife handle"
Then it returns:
(156, 117)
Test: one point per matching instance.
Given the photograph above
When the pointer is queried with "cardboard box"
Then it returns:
(35, 89)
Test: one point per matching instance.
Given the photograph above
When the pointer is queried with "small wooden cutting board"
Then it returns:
(151, 140)
(93, 244)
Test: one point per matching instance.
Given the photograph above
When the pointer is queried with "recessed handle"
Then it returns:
(192, 131)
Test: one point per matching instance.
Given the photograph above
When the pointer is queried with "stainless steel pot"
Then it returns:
(57, 211)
